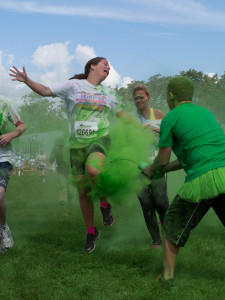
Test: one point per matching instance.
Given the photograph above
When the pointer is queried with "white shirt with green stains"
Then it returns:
(88, 109)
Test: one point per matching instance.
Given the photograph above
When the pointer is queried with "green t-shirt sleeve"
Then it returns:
(166, 136)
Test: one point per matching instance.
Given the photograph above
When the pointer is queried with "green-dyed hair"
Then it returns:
(141, 87)
(182, 88)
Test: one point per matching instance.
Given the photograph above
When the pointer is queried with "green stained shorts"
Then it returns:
(78, 157)
(5, 171)
(182, 216)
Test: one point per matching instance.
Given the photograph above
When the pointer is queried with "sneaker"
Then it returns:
(90, 241)
(7, 239)
(108, 218)
(169, 283)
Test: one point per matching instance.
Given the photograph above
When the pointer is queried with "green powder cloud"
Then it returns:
(120, 175)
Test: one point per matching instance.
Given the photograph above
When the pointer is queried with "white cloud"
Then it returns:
(54, 59)
(53, 77)
(113, 78)
(13, 91)
(84, 54)
(126, 81)
(52, 55)
(185, 12)
(57, 58)
(211, 74)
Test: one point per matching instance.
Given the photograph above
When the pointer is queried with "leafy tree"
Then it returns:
(41, 114)
(213, 95)
(196, 77)
(157, 87)
(192, 74)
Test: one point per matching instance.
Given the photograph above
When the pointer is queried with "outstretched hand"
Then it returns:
(18, 75)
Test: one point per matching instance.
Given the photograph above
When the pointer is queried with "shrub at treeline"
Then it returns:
(45, 115)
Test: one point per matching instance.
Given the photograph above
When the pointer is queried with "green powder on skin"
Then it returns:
(120, 175)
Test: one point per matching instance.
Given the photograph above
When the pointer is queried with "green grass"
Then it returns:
(48, 261)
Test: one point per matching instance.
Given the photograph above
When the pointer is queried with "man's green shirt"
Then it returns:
(195, 137)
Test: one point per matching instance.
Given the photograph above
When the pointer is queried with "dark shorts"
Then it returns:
(183, 216)
(5, 171)
(78, 157)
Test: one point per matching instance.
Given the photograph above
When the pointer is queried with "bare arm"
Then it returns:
(158, 114)
(159, 163)
(172, 166)
(127, 118)
(35, 86)
(7, 137)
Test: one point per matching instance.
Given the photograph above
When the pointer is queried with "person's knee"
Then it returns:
(92, 171)
(94, 164)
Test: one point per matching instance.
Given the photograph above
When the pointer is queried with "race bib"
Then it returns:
(85, 129)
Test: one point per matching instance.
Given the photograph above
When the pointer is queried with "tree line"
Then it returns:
(209, 91)
(43, 114)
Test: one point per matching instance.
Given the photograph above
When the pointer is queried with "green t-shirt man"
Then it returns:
(195, 137)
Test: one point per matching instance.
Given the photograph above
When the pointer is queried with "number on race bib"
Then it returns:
(85, 129)
(85, 132)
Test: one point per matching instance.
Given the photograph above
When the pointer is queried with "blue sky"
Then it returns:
(140, 38)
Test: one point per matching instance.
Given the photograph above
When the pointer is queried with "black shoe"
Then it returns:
(108, 218)
(90, 241)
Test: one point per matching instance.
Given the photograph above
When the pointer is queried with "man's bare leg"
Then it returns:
(170, 252)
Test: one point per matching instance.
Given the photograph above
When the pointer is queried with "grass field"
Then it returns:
(48, 261)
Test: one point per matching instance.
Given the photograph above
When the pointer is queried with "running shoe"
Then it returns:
(169, 283)
(7, 239)
(108, 218)
(90, 241)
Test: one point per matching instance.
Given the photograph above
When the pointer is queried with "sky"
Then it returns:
(140, 38)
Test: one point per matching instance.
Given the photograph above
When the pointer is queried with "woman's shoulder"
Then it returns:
(158, 114)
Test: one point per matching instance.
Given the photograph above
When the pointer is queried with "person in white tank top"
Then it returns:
(153, 198)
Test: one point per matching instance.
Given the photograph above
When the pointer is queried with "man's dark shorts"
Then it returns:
(183, 216)
(78, 157)
(5, 171)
